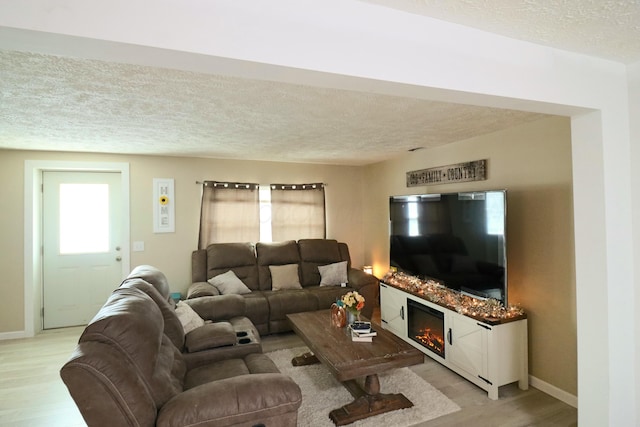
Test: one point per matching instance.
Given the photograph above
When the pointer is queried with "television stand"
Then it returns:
(489, 353)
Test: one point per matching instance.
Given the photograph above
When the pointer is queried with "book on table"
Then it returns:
(361, 326)
(359, 336)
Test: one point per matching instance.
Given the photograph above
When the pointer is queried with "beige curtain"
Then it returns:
(297, 212)
(230, 212)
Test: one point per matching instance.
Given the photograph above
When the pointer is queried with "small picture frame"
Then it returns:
(163, 205)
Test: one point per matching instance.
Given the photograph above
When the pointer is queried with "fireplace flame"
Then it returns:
(431, 340)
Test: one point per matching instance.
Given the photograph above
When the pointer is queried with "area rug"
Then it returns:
(321, 393)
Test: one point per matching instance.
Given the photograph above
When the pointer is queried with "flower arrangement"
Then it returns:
(352, 301)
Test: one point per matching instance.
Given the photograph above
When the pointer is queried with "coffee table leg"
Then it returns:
(305, 359)
(368, 402)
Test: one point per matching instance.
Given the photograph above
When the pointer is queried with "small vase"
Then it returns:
(352, 316)
(338, 316)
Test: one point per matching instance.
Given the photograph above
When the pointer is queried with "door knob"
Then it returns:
(117, 248)
(118, 258)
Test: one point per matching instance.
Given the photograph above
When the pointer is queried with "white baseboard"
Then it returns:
(12, 335)
(554, 391)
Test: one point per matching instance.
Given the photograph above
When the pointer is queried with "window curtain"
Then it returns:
(230, 212)
(297, 212)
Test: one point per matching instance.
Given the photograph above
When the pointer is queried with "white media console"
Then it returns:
(489, 354)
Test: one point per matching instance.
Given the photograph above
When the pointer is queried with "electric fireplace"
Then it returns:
(426, 327)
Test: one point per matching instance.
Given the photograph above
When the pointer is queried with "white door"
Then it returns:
(82, 237)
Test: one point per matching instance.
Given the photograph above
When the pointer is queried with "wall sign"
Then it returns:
(460, 172)
(163, 206)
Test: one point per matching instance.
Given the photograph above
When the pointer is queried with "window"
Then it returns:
(297, 212)
(240, 212)
(230, 212)
(84, 218)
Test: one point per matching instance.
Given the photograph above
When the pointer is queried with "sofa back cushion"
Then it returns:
(106, 390)
(237, 257)
(154, 277)
(317, 252)
(277, 253)
(172, 325)
(131, 322)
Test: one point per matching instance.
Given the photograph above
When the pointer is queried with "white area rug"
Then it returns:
(321, 393)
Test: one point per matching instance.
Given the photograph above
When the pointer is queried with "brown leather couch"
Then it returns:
(265, 307)
(129, 369)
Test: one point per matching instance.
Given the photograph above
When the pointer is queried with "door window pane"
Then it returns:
(84, 218)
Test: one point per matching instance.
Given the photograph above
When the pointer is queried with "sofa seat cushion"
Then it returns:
(327, 295)
(257, 307)
(246, 400)
(286, 302)
(210, 335)
(255, 363)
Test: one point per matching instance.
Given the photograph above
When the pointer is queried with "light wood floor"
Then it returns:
(32, 393)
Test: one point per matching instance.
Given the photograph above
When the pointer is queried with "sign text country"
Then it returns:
(461, 172)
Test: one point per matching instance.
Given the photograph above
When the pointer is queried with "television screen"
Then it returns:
(457, 239)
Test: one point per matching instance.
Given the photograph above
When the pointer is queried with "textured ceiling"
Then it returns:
(54, 103)
(609, 29)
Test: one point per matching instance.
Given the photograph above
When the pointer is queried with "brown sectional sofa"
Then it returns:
(265, 307)
(130, 367)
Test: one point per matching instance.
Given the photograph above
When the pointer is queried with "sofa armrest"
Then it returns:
(241, 400)
(202, 289)
(219, 307)
(368, 286)
(199, 265)
(358, 278)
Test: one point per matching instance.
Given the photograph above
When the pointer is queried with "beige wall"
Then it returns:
(533, 162)
(171, 251)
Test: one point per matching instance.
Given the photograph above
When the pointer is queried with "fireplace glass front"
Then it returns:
(426, 326)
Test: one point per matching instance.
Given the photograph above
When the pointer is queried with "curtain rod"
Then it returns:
(271, 185)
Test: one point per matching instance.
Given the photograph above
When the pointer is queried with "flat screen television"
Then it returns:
(457, 239)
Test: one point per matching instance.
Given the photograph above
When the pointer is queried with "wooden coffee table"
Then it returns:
(349, 361)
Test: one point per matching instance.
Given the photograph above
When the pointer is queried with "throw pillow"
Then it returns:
(188, 317)
(284, 277)
(228, 283)
(333, 274)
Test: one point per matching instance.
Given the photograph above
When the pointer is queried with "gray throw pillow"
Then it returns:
(333, 274)
(284, 277)
(188, 317)
(228, 283)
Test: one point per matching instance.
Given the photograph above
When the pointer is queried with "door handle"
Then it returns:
(118, 258)
(117, 248)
